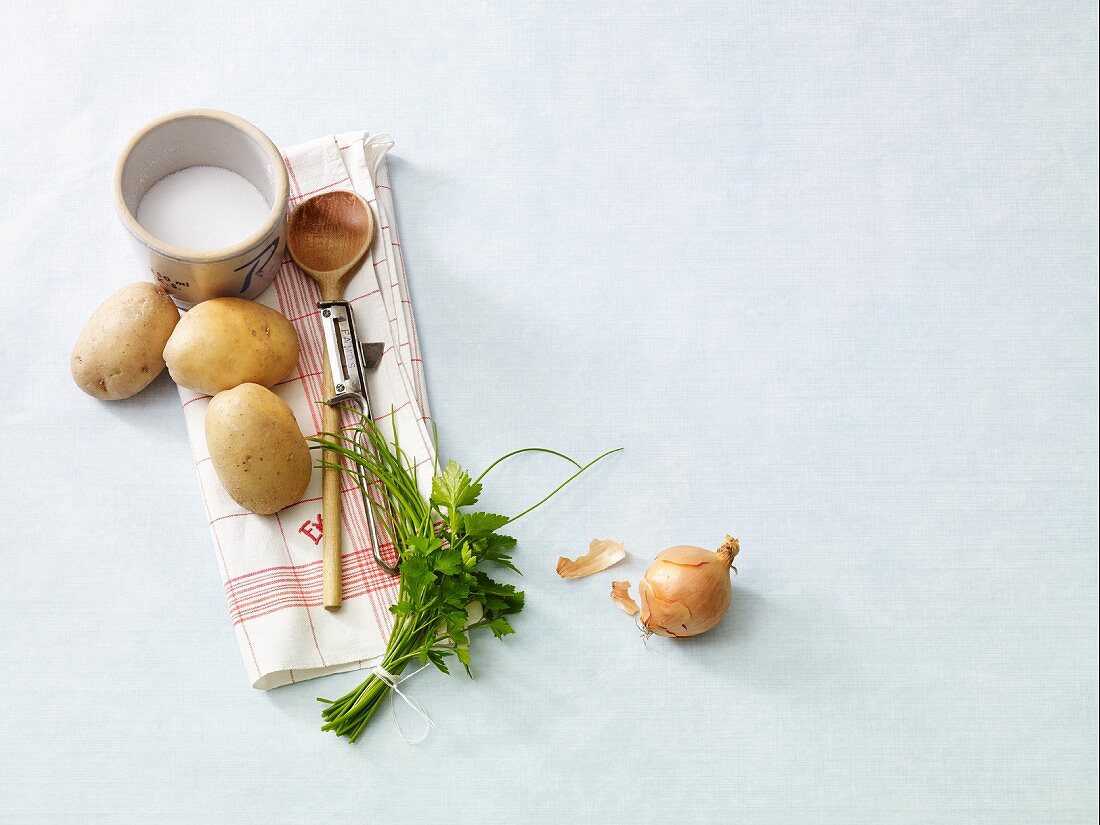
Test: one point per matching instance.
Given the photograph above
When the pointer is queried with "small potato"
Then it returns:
(225, 342)
(257, 449)
(120, 351)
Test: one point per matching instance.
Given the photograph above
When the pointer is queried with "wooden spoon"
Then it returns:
(329, 236)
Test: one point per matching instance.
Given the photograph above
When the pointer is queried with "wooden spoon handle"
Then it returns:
(330, 505)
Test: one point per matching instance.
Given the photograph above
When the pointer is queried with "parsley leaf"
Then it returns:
(454, 488)
(482, 524)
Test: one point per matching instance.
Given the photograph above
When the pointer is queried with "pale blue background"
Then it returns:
(827, 271)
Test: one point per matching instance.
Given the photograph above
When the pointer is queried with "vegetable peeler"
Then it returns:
(349, 360)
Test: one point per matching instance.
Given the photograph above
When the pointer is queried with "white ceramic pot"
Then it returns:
(205, 137)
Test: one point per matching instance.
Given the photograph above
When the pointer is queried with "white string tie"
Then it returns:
(394, 681)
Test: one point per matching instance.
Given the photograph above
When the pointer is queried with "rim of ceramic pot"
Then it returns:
(282, 189)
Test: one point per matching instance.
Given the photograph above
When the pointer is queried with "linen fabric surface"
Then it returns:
(271, 564)
(826, 271)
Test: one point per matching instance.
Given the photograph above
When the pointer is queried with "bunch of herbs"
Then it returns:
(443, 550)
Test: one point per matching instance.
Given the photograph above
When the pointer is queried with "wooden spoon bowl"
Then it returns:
(328, 236)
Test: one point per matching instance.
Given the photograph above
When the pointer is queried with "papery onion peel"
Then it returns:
(602, 553)
(620, 592)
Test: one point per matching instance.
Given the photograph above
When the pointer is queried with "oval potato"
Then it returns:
(224, 342)
(121, 348)
(257, 448)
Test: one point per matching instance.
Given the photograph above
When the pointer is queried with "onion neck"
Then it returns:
(729, 550)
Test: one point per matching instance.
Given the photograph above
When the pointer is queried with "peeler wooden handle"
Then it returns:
(330, 505)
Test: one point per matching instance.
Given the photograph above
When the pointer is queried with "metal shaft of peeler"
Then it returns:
(368, 503)
(371, 528)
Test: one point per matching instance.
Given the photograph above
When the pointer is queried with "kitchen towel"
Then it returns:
(271, 565)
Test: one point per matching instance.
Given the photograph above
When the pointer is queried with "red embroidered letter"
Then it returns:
(313, 530)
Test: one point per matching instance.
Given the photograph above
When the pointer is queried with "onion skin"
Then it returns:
(686, 591)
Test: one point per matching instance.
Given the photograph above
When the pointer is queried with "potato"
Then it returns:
(120, 351)
(225, 342)
(257, 449)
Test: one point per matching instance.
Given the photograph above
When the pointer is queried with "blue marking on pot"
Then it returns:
(256, 265)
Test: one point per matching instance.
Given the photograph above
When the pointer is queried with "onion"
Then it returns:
(686, 591)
